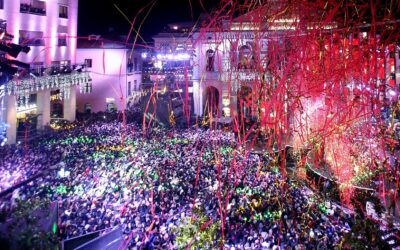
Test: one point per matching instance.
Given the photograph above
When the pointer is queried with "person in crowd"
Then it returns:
(150, 182)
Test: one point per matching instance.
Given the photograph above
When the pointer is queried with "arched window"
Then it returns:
(245, 57)
(245, 102)
(211, 101)
(210, 60)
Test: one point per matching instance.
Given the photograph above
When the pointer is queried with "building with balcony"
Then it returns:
(48, 88)
(235, 60)
(116, 73)
(168, 69)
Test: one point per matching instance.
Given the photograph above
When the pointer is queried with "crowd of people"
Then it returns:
(149, 182)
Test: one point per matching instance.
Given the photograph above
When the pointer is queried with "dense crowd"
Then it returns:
(152, 182)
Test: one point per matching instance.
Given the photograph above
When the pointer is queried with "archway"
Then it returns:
(56, 104)
(244, 102)
(211, 102)
(210, 60)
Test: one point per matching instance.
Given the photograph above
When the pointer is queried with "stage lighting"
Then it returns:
(8, 69)
(19, 48)
(4, 35)
(20, 64)
(14, 49)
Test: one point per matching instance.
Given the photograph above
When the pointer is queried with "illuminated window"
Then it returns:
(88, 108)
(35, 7)
(63, 11)
(245, 57)
(62, 40)
(31, 38)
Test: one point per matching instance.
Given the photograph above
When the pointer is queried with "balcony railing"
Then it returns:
(242, 75)
(27, 8)
(55, 70)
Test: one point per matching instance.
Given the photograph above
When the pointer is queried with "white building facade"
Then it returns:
(116, 74)
(49, 28)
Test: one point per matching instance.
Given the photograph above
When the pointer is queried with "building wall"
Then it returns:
(109, 80)
(227, 78)
(51, 25)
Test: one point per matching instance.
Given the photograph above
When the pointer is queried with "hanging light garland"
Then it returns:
(23, 88)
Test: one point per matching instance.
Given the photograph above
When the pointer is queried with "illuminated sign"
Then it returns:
(26, 109)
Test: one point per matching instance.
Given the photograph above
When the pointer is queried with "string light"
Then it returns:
(23, 88)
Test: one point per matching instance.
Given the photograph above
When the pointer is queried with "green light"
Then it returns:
(54, 228)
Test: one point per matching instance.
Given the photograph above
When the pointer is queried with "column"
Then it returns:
(43, 108)
(70, 105)
(11, 119)
(197, 98)
(233, 105)
(234, 101)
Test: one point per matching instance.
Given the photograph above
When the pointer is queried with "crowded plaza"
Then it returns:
(191, 124)
(156, 182)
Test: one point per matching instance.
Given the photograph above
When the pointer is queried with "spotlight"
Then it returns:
(20, 64)
(20, 48)
(5, 35)
(6, 68)
(14, 49)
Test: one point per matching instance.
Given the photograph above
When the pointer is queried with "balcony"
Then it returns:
(243, 75)
(48, 78)
(30, 9)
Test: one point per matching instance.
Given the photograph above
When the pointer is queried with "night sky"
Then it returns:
(99, 17)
